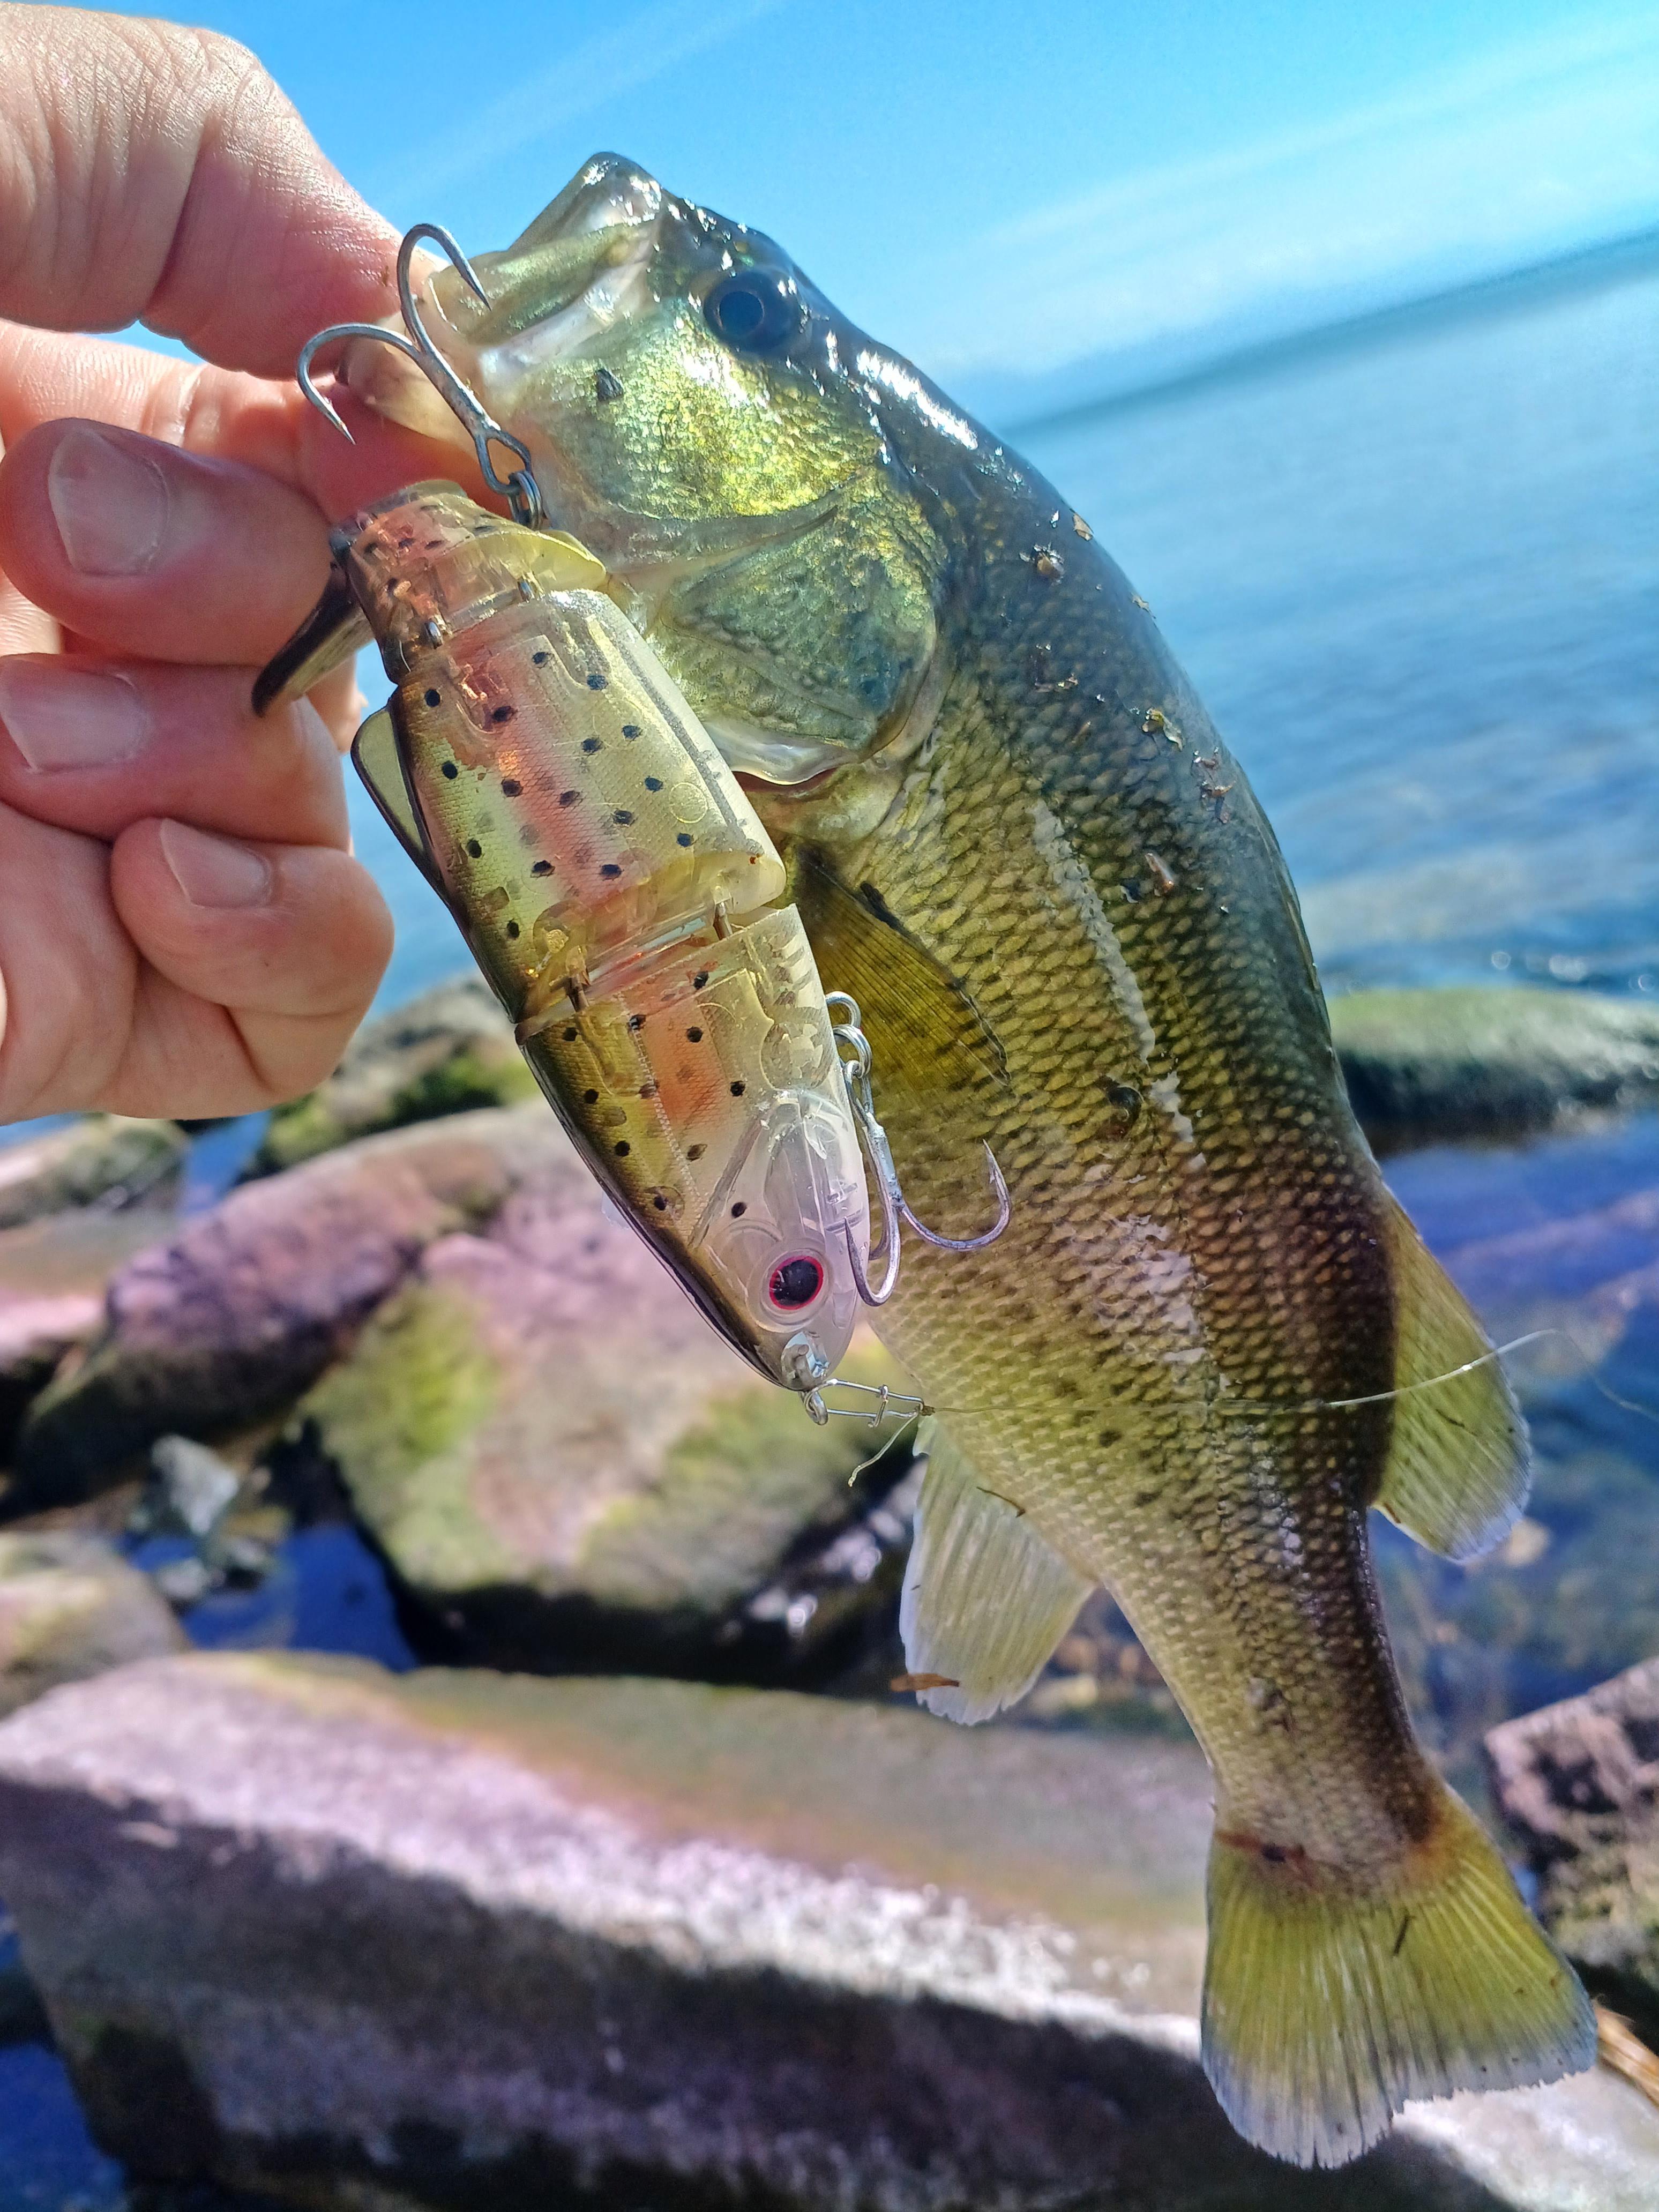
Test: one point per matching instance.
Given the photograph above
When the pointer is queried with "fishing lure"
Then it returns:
(543, 772)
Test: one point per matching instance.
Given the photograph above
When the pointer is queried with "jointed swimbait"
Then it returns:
(614, 883)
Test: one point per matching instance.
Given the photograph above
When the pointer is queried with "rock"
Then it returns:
(553, 1450)
(69, 1608)
(1579, 1784)
(449, 1940)
(449, 1050)
(53, 1277)
(104, 1157)
(1426, 1066)
(192, 1490)
(564, 1464)
(229, 1318)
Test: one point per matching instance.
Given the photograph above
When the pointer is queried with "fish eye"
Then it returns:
(794, 1282)
(753, 310)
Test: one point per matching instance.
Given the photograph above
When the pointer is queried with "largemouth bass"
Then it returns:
(1210, 1342)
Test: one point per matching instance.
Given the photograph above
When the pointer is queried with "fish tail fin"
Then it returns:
(1329, 2001)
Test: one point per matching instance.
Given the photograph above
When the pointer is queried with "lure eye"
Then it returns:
(753, 311)
(794, 1282)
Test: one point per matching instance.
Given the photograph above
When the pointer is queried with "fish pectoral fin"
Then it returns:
(1459, 1465)
(986, 1597)
(1332, 1996)
(926, 1033)
(336, 627)
(376, 758)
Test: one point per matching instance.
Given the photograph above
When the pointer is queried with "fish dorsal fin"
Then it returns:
(374, 755)
(336, 627)
(1459, 1465)
(926, 1032)
(986, 1598)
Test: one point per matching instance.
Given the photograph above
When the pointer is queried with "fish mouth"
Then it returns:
(579, 271)
(576, 272)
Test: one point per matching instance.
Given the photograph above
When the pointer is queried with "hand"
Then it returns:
(183, 929)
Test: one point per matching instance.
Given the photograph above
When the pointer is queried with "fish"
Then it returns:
(619, 893)
(1210, 1342)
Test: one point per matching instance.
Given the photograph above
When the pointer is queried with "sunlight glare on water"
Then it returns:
(1415, 584)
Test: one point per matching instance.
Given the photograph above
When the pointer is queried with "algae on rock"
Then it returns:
(70, 1608)
(1431, 1065)
(448, 1051)
(561, 1460)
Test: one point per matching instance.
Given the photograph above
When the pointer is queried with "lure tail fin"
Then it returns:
(1328, 2003)
(335, 629)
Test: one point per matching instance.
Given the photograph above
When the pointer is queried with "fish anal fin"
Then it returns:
(336, 627)
(375, 756)
(1459, 1463)
(986, 1597)
(1330, 1999)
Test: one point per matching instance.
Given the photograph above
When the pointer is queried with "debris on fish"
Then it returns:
(1210, 1342)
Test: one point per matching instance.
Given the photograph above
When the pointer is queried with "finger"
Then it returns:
(339, 700)
(153, 174)
(23, 627)
(44, 377)
(95, 746)
(265, 958)
(68, 970)
(151, 550)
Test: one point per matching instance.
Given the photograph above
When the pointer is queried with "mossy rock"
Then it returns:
(564, 1465)
(1428, 1066)
(104, 1157)
(448, 1052)
(69, 1608)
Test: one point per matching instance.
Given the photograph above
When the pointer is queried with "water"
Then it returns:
(1417, 584)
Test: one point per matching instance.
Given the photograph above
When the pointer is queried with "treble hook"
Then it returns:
(520, 489)
(895, 1206)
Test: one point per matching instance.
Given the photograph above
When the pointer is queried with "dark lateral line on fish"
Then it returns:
(1404, 1923)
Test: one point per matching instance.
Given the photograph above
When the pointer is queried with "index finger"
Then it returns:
(151, 174)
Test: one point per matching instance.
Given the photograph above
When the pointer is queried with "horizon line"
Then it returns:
(1581, 267)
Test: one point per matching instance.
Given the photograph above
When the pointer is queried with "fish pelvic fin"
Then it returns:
(1459, 1465)
(1327, 2003)
(986, 1598)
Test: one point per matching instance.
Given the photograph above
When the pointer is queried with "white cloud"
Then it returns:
(1536, 147)
(584, 77)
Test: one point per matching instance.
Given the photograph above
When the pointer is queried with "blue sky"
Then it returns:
(1000, 188)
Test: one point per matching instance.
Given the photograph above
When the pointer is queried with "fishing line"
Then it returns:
(1434, 1382)
(1255, 1408)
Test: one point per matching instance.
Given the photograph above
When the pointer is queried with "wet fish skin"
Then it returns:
(1016, 840)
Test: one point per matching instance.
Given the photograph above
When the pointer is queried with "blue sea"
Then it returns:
(1414, 575)
(1414, 572)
